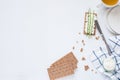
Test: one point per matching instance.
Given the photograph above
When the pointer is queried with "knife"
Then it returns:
(102, 35)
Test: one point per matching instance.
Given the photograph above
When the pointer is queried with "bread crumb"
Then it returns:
(86, 67)
(95, 72)
(81, 50)
(83, 58)
(97, 37)
(73, 47)
(83, 42)
(76, 41)
(92, 70)
(79, 33)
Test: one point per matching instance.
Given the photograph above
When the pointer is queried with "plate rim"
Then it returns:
(110, 27)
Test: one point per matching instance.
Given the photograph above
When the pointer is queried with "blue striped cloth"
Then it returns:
(100, 54)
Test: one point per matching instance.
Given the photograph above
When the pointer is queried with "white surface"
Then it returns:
(35, 33)
(114, 18)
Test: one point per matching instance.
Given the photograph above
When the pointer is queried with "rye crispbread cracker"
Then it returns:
(86, 24)
(63, 67)
(66, 59)
(71, 64)
(59, 72)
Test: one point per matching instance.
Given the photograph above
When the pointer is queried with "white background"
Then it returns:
(35, 33)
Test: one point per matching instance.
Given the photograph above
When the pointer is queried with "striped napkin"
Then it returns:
(100, 54)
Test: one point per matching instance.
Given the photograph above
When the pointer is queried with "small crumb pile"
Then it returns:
(97, 37)
(76, 41)
(83, 42)
(83, 59)
(86, 67)
(73, 47)
(79, 33)
(81, 49)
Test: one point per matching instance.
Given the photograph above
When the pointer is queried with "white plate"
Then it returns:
(109, 28)
(114, 19)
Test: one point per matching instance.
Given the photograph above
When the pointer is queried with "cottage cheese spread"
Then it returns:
(109, 64)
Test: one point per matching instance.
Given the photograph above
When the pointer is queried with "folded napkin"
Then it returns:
(99, 55)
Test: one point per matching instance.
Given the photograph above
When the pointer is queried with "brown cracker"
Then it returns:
(63, 67)
(67, 58)
(60, 71)
(73, 65)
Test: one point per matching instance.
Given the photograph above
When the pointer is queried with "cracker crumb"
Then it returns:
(92, 70)
(86, 67)
(95, 72)
(79, 33)
(83, 42)
(97, 37)
(73, 47)
(76, 41)
(81, 50)
(83, 58)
